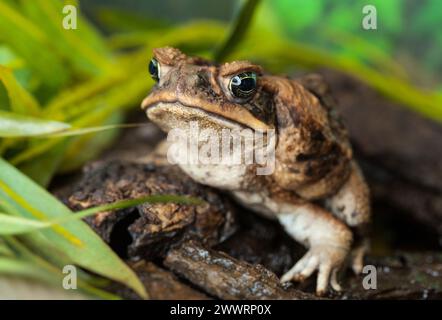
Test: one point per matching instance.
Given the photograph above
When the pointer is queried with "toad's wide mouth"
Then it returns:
(232, 114)
(172, 115)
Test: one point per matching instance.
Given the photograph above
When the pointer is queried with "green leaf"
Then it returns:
(21, 100)
(75, 238)
(16, 125)
(79, 92)
(10, 225)
(13, 225)
(4, 249)
(11, 266)
(89, 130)
(238, 29)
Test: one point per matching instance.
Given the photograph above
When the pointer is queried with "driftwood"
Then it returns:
(161, 284)
(225, 277)
(148, 230)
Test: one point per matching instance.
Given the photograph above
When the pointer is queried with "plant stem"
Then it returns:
(237, 31)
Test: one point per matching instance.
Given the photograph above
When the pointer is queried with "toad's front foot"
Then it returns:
(326, 259)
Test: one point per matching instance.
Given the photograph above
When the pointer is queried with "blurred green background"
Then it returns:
(90, 77)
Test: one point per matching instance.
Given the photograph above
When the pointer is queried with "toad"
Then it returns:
(315, 188)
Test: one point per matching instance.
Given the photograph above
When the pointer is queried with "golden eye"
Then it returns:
(154, 69)
(243, 85)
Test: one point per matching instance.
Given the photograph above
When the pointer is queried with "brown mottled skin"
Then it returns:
(316, 191)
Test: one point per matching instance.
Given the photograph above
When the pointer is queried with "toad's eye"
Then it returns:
(243, 85)
(154, 69)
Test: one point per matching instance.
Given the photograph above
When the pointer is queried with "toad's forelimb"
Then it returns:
(327, 238)
(351, 204)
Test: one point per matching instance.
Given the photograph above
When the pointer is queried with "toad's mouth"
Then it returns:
(164, 105)
(172, 115)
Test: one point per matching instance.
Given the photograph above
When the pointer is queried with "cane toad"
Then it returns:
(315, 188)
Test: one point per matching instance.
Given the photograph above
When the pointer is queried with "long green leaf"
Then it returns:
(238, 29)
(75, 238)
(16, 125)
(11, 266)
(10, 225)
(89, 130)
(14, 225)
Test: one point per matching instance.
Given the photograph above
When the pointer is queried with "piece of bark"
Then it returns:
(159, 283)
(262, 241)
(148, 230)
(225, 277)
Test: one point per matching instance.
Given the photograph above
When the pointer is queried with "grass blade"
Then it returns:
(14, 225)
(12, 266)
(238, 30)
(16, 125)
(82, 131)
(21, 100)
(10, 225)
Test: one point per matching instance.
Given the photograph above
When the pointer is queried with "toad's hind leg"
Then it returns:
(327, 238)
(351, 204)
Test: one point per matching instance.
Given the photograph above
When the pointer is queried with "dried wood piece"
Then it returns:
(225, 277)
(160, 284)
(262, 241)
(148, 230)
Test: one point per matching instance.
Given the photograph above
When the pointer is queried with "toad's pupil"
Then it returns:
(153, 69)
(247, 84)
(243, 85)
